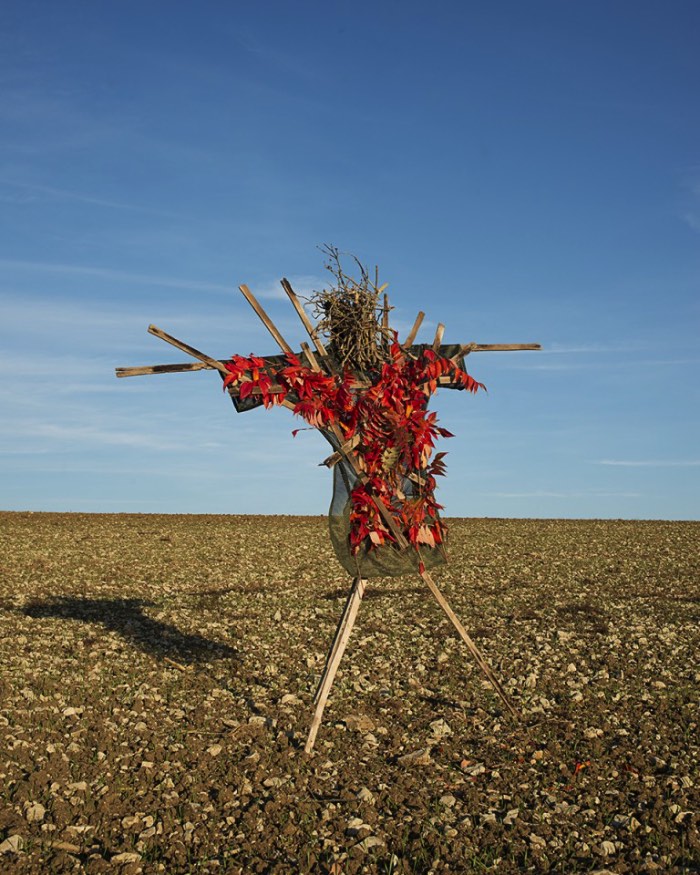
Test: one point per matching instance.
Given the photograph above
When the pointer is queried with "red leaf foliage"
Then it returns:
(390, 417)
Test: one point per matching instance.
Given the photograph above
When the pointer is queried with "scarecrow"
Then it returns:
(367, 392)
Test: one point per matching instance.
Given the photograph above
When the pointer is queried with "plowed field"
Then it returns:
(157, 672)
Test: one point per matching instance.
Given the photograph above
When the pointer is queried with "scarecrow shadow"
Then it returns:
(126, 617)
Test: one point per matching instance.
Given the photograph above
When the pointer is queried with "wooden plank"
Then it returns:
(504, 347)
(412, 333)
(265, 319)
(473, 649)
(439, 331)
(161, 369)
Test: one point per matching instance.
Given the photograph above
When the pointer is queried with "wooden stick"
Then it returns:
(502, 347)
(481, 662)
(342, 623)
(145, 370)
(464, 350)
(385, 313)
(195, 353)
(313, 361)
(265, 319)
(412, 333)
(439, 331)
(190, 350)
(334, 658)
(178, 665)
(305, 321)
(334, 458)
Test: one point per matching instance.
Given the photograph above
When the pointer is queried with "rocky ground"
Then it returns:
(156, 675)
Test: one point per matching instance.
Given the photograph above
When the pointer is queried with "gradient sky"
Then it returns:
(520, 171)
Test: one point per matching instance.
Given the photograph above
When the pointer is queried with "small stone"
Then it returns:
(355, 824)
(274, 782)
(359, 722)
(448, 800)
(78, 786)
(592, 732)
(290, 699)
(35, 813)
(12, 845)
(147, 764)
(370, 842)
(511, 816)
(440, 728)
(124, 858)
(537, 841)
(606, 848)
(130, 821)
(365, 795)
(416, 758)
(72, 712)
(214, 750)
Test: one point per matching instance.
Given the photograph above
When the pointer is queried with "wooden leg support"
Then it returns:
(340, 642)
(474, 650)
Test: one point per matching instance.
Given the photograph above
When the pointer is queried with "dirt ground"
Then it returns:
(156, 677)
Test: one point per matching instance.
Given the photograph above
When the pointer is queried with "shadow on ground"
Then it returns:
(126, 617)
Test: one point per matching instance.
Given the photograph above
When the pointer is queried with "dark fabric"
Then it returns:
(386, 560)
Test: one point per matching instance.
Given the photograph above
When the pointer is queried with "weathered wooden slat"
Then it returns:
(144, 370)
(414, 331)
(504, 347)
(439, 331)
(265, 319)
(311, 358)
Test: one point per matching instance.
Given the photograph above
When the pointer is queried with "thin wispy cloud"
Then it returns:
(113, 275)
(30, 189)
(543, 493)
(651, 463)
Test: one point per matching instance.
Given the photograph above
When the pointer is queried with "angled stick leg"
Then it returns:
(336, 654)
(473, 649)
(342, 623)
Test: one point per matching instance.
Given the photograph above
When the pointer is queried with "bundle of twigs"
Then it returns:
(351, 315)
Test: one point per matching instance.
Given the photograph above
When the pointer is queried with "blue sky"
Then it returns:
(520, 171)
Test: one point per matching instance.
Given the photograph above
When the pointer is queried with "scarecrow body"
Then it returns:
(370, 560)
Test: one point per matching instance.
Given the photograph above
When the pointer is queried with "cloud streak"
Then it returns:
(650, 463)
(79, 197)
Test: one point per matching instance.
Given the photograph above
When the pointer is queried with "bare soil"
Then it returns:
(156, 677)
